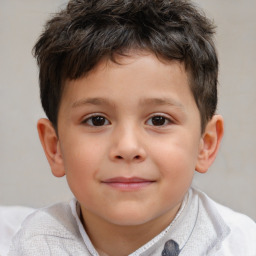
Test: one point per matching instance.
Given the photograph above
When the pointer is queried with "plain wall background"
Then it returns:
(25, 177)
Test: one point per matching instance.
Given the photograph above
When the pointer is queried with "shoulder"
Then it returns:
(48, 230)
(242, 227)
(56, 219)
(11, 218)
(235, 220)
(242, 235)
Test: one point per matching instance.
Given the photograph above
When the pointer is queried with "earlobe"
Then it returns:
(210, 143)
(50, 143)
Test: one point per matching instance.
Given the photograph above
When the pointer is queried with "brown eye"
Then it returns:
(158, 120)
(96, 121)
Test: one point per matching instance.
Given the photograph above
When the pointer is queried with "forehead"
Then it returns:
(126, 57)
(141, 74)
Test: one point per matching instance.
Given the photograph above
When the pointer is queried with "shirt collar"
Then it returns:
(76, 211)
(186, 228)
(198, 229)
(145, 249)
(179, 230)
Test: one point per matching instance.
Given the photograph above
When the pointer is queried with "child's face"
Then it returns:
(129, 137)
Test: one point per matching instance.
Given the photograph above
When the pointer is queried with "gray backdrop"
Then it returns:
(25, 178)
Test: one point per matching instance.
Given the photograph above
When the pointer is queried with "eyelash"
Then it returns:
(103, 121)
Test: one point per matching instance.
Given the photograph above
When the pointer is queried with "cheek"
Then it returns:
(176, 179)
(176, 172)
(177, 154)
(82, 163)
(176, 162)
(81, 153)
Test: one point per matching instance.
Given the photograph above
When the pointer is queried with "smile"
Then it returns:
(128, 184)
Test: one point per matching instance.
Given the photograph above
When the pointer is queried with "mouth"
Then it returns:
(128, 184)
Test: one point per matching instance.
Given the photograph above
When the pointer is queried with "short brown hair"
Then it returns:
(78, 37)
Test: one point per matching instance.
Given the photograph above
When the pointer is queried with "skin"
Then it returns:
(131, 172)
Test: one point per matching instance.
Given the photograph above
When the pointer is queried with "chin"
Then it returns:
(129, 218)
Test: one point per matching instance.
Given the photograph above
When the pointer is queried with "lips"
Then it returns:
(126, 184)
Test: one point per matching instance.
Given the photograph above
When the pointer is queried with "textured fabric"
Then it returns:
(201, 227)
(11, 218)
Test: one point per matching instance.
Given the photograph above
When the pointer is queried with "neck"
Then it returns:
(121, 240)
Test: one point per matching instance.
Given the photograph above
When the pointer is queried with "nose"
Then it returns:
(127, 145)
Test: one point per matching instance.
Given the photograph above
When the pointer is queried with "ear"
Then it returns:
(210, 143)
(51, 146)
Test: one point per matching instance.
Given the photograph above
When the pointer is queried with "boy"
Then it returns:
(129, 89)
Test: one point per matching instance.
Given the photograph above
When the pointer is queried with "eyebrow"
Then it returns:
(91, 101)
(148, 101)
(162, 101)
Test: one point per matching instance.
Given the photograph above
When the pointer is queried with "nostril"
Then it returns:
(135, 157)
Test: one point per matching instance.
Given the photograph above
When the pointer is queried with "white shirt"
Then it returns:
(11, 218)
(201, 227)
